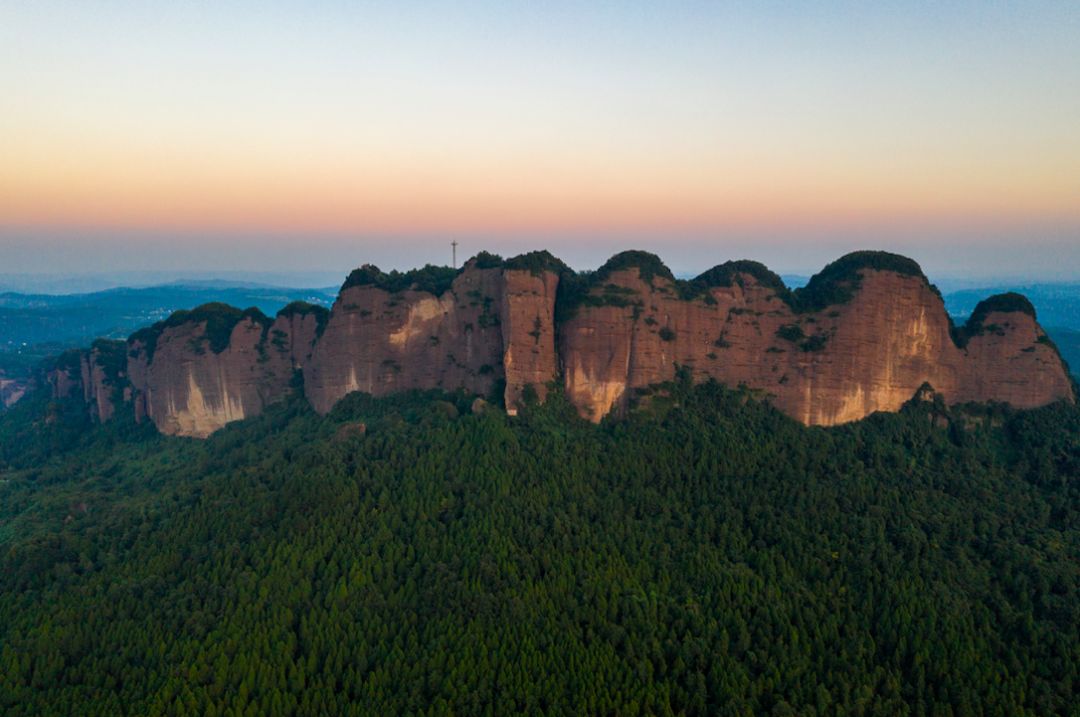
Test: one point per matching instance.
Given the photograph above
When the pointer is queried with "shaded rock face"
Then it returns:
(1015, 363)
(99, 387)
(188, 389)
(294, 335)
(97, 376)
(381, 342)
(826, 367)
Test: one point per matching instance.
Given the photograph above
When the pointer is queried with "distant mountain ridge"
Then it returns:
(35, 326)
(865, 334)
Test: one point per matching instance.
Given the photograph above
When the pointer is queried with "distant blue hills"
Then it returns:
(35, 326)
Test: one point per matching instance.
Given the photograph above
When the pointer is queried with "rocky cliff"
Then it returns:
(200, 370)
(11, 390)
(529, 358)
(863, 336)
(97, 376)
(490, 324)
(382, 338)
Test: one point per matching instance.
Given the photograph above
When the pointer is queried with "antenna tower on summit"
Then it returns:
(453, 250)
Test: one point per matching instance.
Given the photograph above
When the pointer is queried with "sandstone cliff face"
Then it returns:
(11, 390)
(97, 376)
(824, 367)
(864, 336)
(527, 313)
(381, 342)
(187, 387)
(1012, 361)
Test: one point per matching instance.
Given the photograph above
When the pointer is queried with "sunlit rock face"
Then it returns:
(1013, 361)
(380, 342)
(527, 312)
(827, 366)
(491, 325)
(206, 368)
(11, 390)
(863, 336)
(186, 388)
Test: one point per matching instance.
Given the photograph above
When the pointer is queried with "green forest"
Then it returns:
(413, 556)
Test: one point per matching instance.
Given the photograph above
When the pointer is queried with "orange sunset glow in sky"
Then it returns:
(515, 121)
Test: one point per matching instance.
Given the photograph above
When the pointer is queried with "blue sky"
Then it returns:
(310, 135)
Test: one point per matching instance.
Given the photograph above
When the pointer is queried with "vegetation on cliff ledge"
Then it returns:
(303, 308)
(836, 284)
(220, 320)
(976, 325)
(839, 281)
(435, 280)
(708, 556)
(537, 262)
(432, 279)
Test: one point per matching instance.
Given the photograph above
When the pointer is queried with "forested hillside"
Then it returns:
(411, 556)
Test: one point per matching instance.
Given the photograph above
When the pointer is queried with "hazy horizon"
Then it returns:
(286, 136)
(950, 269)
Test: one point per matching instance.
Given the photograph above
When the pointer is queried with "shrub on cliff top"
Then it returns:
(435, 280)
(648, 266)
(536, 262)
(1005, 303)
(303, 308)
(838, 281)
(432, 279)
(220, 320)
(112, 357)
(730, 273)
(486, 260)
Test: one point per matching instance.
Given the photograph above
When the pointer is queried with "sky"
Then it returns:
(316, 136)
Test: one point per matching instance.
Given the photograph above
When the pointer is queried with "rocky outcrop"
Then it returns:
(491, 322)
(529, 358)
(97, 376)
(866, 334)
(862, 337)
(11, 391)
(200, 370)
(380, 338)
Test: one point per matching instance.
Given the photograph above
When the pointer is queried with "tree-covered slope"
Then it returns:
(707, 556)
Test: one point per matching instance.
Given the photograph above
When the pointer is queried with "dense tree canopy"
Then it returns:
(705, 555)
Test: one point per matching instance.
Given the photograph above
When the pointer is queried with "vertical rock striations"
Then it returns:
(97, 377)
(435, 328)
(529, 359)
(200, 370)
(863, 336)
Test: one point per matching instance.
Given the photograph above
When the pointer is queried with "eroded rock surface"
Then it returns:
(380, 342)
(836, 364)
(865, 335)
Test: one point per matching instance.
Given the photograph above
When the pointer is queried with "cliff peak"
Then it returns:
(838, 282)
(220, 319)
(536, 262)
(649, 265)
(865, 334)
(303, 308)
